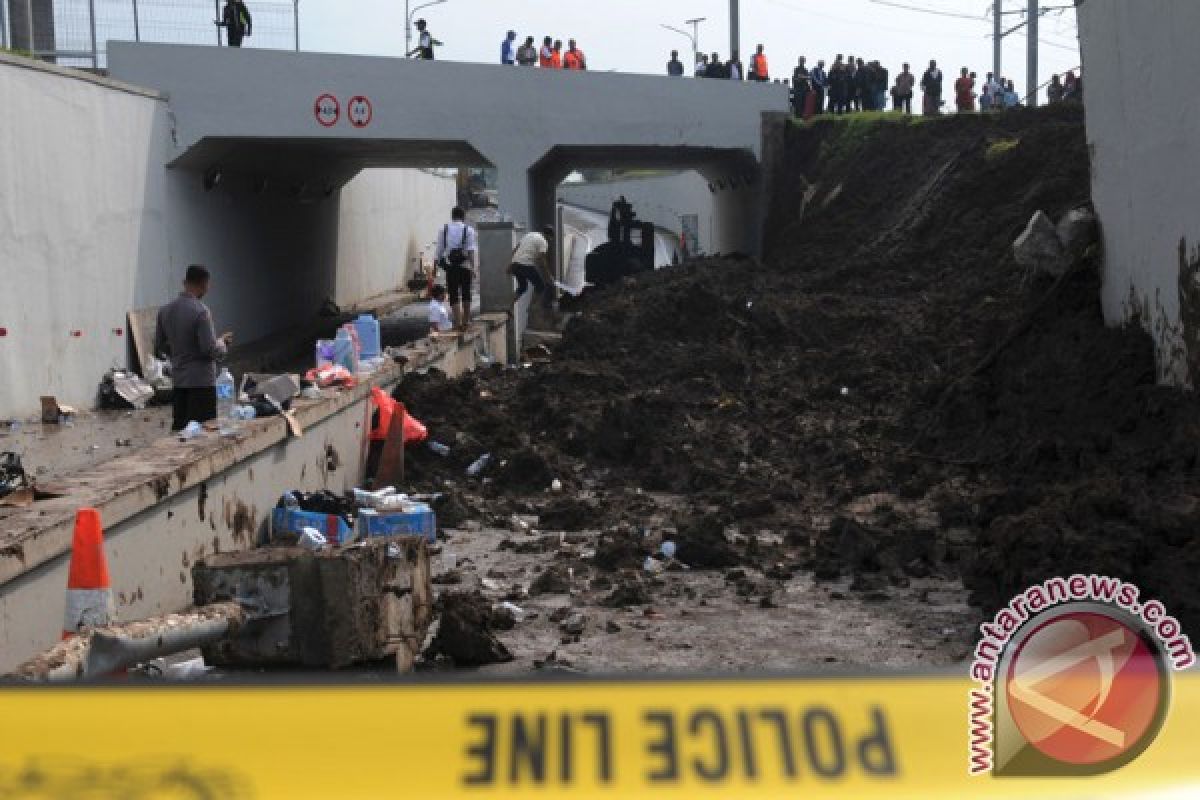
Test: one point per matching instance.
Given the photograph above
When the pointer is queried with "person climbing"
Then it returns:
(237, 22)
(508, 49)
(964, 92)
(458, 255)
(425, 43)
(759, 70)
(931, 85)
(902, 92)
(574, 57)
(532, 264)
(546, 57)
(184, 333)
(675, 66)
(527, 54)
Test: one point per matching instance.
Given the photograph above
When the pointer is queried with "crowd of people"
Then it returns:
(550, 56)
(856, 84)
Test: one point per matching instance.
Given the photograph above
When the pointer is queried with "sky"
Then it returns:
(626, 35)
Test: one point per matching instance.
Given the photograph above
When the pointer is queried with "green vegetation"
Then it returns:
(999, 147)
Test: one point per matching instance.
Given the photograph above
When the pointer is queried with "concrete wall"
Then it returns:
(82, 218)
(93, 224)
(1146, 156)
(388, 216)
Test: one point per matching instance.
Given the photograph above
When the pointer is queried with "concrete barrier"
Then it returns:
(173, 503)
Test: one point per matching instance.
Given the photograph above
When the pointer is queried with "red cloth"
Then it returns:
(964, 90)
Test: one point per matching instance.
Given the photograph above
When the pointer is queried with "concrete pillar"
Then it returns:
(496, 242)
(31, 24)
(513, 186)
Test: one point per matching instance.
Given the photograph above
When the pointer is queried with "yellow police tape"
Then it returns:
(771, 738)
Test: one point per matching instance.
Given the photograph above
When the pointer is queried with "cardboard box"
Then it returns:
(286, 524)
(418, 521)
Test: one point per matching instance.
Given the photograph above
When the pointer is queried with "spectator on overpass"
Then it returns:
(458, 255)
(1055, 91)
(902, 92)
(675, 66)
(532, 263)
(715, 67)
(758, 67)
(964, 92)
(184, 333)
(546, 57)
(931, 85)
(508, 49)
(1073, 87)
(527, 54)
(819, 81)
(701, 65)
(556, 57)
(425, 43)
(881, 86)
(236, 20)
(734, 70)
(574, 57)
(838, 82)
(801, 86)
(1011, 98)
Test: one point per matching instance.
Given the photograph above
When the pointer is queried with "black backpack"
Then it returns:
(458, 256)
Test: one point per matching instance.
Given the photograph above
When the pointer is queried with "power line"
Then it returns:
(934, 11)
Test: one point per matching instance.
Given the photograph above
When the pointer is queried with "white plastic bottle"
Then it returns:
(226, 395)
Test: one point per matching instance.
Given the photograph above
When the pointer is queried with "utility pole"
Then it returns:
(693, 37)
(998, 41)
(735, 25)
(1032, 66)
(296, 22)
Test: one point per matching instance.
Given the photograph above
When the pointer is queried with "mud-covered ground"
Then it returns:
(884, 407)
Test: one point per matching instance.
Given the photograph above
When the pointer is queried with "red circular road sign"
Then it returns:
(327, 110)
(359, 111)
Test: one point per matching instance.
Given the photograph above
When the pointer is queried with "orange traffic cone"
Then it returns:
(89, 589)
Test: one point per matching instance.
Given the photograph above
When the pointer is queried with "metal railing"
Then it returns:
(75, 33)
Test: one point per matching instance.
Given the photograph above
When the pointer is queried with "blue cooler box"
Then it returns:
(421, 521)
(288, 522)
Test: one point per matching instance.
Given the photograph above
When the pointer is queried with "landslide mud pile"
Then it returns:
(887, 388)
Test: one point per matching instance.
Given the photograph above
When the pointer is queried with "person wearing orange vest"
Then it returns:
(758, 67)
(556, 60)
(574, 58)
(546, 55)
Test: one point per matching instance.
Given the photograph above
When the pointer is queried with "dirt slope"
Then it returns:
(887, 388)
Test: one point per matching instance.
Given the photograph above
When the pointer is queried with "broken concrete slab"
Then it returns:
(328, 609)
(1039, 248)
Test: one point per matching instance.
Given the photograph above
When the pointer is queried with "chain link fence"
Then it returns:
(75, 33)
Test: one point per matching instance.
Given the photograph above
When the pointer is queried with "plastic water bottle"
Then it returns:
(226, 392)
(479, 466)
(439, 448)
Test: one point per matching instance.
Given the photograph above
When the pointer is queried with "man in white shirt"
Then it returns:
(532, 263)
(458, 255)
(440, 320)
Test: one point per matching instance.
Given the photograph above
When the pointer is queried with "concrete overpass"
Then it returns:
(260, 117)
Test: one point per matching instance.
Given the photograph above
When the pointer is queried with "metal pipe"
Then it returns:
(998, 41)
(92, 27)
(217, 13)
(296, 22)
(107, 650)
(137, 27)
(29, 22)
(1032, 65)
(735, 30)
(4, 25)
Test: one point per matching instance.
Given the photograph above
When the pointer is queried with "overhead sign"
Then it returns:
(327, 110)
(359, 111)
(818, 738)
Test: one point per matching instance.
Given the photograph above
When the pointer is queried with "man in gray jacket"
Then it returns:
(185, 333)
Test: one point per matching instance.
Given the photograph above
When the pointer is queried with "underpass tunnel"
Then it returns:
(285, 224)
(720, 190)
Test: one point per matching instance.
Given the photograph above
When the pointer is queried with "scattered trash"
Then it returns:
(439, 448)
(653, 565)
(312, 539)
(12, 474)
(574, 624)
(193, 430)
(479, 465)
(845, 391)
(491, 584)
(311, 393)
(464, 634)
(667, 549)
(124, 442)
(556, 485)
(612, 627)
(449, 561)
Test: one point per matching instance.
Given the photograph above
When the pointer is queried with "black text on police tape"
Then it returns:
(704, 744)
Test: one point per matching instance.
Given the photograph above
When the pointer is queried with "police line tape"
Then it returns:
(901, 737)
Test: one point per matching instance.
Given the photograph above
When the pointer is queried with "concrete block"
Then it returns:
(1038, 248)
(322, 610)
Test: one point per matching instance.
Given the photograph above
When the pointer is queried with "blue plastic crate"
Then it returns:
(287, 523)
(419, 522)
